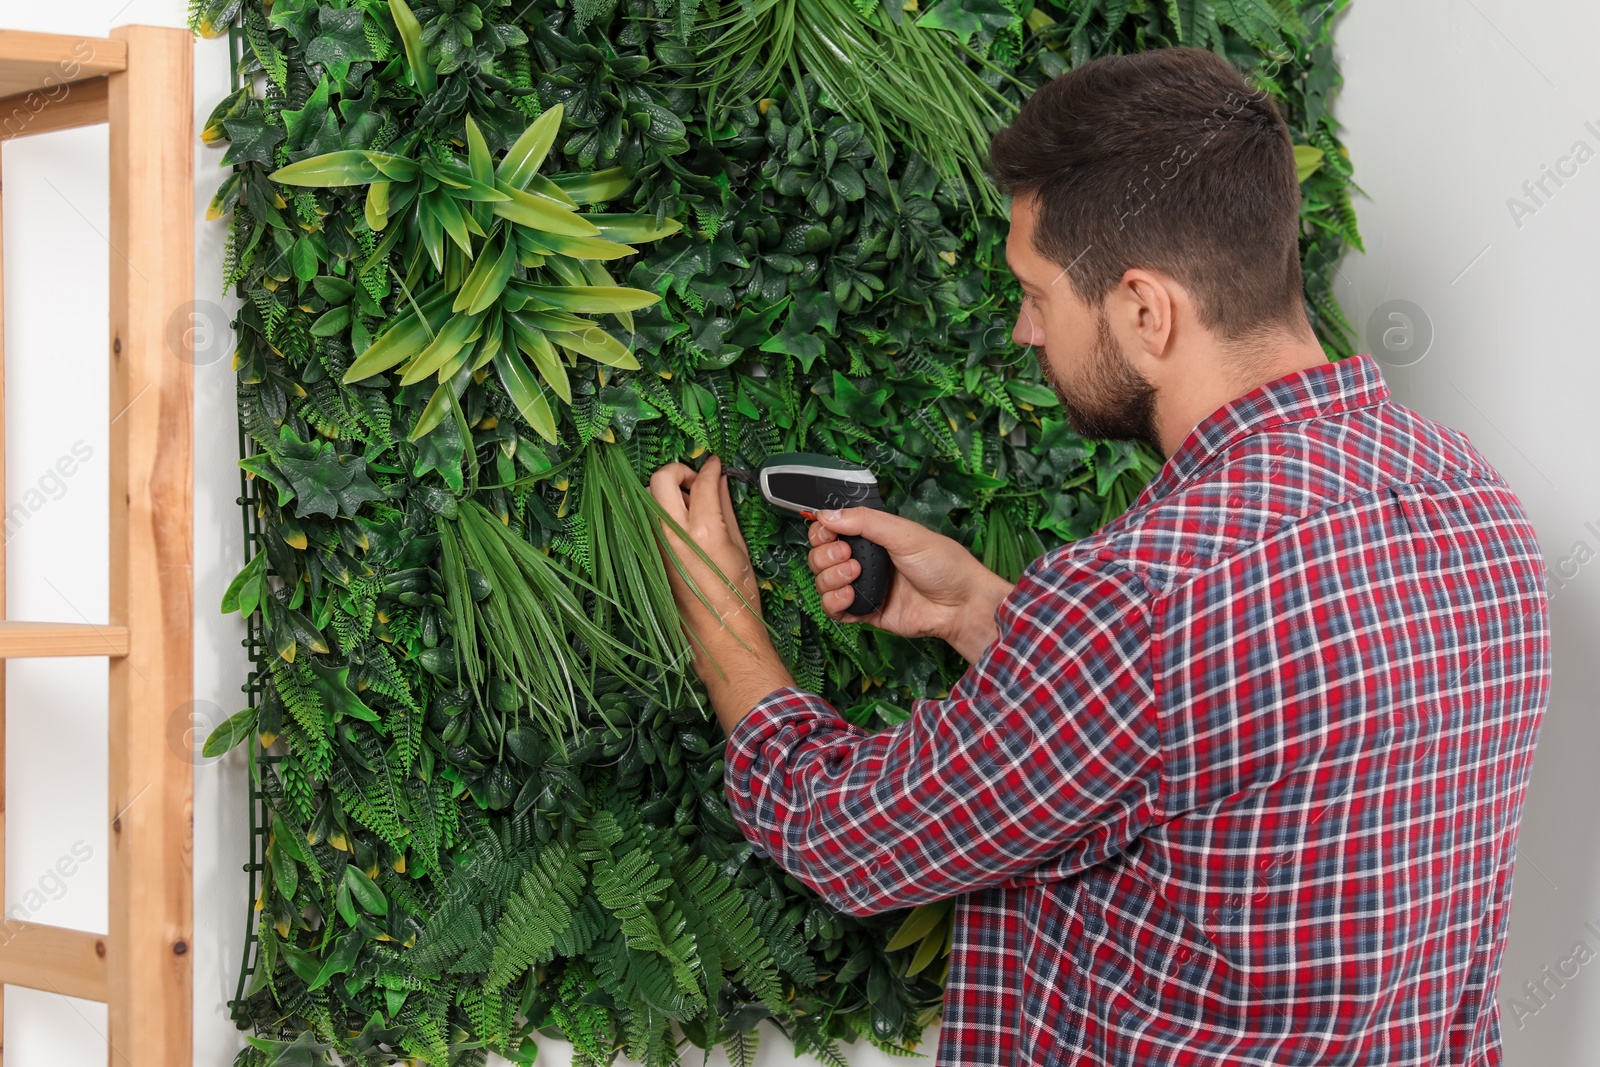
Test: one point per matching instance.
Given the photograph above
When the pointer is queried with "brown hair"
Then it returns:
(1166, 160)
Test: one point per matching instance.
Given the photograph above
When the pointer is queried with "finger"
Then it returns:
(666, 486)
(730, 517)
(836, 604)
(822, 557)
(838, 577)
(820, 534)
(896, 533)
(705, 510)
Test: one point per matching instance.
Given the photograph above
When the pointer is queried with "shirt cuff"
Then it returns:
(750, 769)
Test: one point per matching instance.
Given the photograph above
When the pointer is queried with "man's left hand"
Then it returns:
(699, 502)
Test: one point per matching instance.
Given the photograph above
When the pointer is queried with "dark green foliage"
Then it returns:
(495, 803)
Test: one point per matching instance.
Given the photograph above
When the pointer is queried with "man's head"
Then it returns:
(1155, 231)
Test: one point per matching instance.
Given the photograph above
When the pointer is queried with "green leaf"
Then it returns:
(596, 187)
(1307, 160)
(527, 154)
(244, 592)
(333, 686)
(303, 258)
(416, 55)
(302, 122)
(525, 393)
(598, 345)
(342, 42)
(964, 18)
(589, 299)
(541, 213)
(450, 340)
(343, 957)
(229, 733)
(327, 483)
(487, 280)
(365, 890)
(251, 139)
(404, 339)
(350, 166)
(634, 229)
(534, 343)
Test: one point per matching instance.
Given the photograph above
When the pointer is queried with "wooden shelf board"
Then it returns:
(47, 61)
(54, 959)
(28, 640)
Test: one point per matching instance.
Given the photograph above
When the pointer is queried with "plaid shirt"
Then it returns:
(1240, 780)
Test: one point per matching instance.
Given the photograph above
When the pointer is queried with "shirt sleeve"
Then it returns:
(1048, 748)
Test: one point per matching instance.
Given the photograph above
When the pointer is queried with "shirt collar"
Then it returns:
(1326, 389)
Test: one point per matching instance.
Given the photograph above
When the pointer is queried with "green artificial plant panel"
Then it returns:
(499, 262)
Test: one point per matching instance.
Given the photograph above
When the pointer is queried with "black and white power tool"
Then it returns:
(808, 482)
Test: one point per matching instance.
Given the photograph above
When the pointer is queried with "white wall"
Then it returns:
(1450, 106)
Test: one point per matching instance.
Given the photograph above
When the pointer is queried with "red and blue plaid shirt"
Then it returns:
(1240, 780)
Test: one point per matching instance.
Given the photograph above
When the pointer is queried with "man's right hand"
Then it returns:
(939, 589)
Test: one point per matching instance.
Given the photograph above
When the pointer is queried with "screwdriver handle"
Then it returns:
(872, 584)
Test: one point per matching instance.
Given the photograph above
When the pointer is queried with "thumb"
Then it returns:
(896, 534)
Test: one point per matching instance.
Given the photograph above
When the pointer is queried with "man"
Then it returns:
(1236, 779)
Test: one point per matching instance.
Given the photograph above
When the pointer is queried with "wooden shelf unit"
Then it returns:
(140, 82)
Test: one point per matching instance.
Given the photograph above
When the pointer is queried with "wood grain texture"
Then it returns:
(79, 104)
(54, 959)
(4, 538)
(31, 640)
(150, 976)
(46, 61)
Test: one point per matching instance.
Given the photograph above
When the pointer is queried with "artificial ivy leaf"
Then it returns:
(295, 16)
(441, 449)
(851, 403)
(342, 42)
(1111, 458)
(302, 121)
(964, 18)
(813, 308)
(305, 1050)
(930, 504)
(328, 484)
(251, 139)
(333, 684)
(260, 466)
(328, 137)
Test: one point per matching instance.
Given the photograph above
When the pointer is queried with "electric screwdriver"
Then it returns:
(808, 482)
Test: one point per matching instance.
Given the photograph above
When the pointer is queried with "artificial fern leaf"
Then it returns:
(534, 917)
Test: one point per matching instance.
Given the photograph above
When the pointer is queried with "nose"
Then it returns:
(1026, 331)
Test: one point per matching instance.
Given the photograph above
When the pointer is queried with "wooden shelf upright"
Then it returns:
(140, 82)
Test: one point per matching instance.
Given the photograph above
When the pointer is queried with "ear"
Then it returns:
(1144, 307)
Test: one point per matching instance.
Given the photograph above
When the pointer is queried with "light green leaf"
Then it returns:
(595, 187)
(1307, 160)
(631, 229)
(229, 733)
(598, 345)
(525, 157)
(525, 392)
(590, 299)
(416, 55)
(487, 280)
(542, 213)
(457, 332)
(408, 336)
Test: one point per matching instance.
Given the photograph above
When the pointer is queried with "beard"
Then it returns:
(1116, 403)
